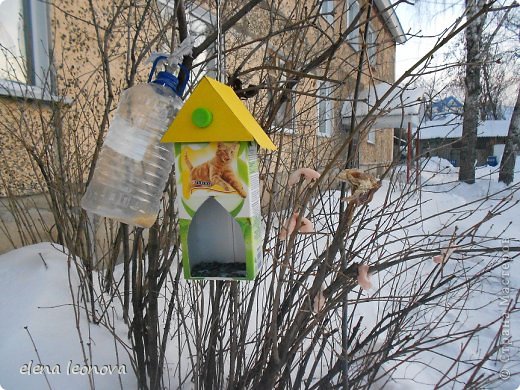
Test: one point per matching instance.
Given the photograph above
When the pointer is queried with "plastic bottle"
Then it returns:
(133, 166)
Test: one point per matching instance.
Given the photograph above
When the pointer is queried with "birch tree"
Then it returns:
(507, 165)
(472, 89)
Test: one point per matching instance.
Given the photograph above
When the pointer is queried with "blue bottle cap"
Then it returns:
(168, 80)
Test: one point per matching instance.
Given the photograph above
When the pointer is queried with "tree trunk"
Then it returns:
(507, 165)
(473, 88)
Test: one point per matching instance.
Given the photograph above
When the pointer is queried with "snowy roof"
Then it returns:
(401, 106)
(451, 127)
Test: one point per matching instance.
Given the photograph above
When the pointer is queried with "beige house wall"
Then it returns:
(376, 157)
(21, 133)
(81, 85)
(80, 79)
(74, 113)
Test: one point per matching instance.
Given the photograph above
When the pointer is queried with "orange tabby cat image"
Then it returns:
(218, 170)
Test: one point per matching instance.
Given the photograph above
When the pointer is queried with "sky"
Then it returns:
(427, 19)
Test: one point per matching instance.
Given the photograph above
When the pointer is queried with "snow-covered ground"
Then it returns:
(486, 302)
(35, 302)
(39, 330)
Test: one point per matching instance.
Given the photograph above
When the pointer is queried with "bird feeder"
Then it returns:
(215, 141)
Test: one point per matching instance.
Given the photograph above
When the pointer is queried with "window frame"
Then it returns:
(371, 136)
(323, 94)
(196, 14)
(327, 10)
(36, 31)
(288, 120)
(207, 18)
(371, 44)
(354, 37)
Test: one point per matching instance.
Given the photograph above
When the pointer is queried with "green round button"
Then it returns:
(202, 117)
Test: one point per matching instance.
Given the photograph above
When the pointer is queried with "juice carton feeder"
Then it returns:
(215, 140)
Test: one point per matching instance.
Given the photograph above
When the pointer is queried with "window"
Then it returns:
(324, 106)
(201, 23)
(24, 46)
(280, 100)
(371, 137)
(352, 11)
(327, 10)
(371, 45)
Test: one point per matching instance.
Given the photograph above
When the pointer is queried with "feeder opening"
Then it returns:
(216, 244)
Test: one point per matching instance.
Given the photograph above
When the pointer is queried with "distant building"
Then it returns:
(447, 106)
(443, 138)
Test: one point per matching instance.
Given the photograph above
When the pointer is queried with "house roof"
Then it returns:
(447, 105)
(229, 121)
(401, 106)
(451, 127)
(391, 20)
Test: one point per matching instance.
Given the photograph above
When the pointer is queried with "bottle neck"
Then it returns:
(167, 80)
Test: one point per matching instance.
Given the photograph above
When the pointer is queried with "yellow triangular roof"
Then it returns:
(231, 119)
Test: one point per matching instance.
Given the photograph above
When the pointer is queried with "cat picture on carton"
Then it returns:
(215, 142)
(217, 223)
(217, 173)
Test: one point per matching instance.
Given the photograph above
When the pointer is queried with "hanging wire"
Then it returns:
(219, 44)
(220, 77)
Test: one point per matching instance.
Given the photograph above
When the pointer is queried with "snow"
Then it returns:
(443, 192)
(35, 293)
(36, 296)
(451, 127)
(437, 165)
